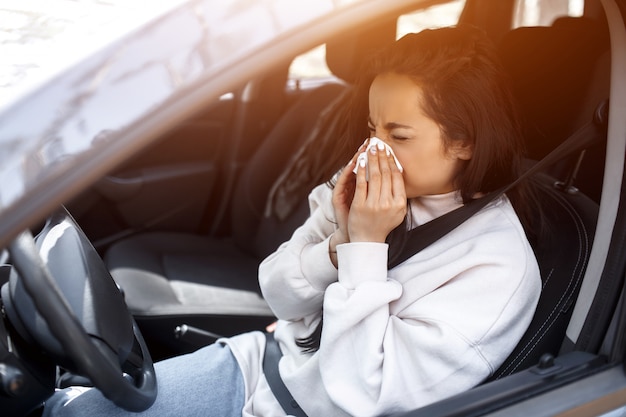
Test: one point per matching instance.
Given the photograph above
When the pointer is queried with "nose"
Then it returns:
(380, 135)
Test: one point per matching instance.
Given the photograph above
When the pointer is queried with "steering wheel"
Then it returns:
(61, 296)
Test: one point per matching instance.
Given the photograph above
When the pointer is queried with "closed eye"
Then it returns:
(399, 137)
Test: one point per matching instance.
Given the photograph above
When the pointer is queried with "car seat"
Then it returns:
(552, 71)
(170, 279)
(552, 76)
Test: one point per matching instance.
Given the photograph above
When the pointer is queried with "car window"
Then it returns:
(310, 65)
(310, 68)
(439, 15)
(543, 13)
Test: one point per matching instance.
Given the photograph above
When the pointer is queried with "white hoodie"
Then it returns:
(436, 325)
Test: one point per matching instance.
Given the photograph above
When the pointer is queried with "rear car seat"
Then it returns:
(171, 279)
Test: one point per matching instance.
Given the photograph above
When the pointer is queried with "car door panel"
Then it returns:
(170, 196)
(167, 187)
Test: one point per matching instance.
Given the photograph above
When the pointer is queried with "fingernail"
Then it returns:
(362, 163)
(373, 149)
(381, 146)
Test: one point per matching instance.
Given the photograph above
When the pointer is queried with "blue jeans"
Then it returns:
(207, 382)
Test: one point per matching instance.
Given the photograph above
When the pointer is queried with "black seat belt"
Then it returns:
(428, 233)
(270, 369)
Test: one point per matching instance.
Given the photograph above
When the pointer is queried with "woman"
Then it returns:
(392, 339)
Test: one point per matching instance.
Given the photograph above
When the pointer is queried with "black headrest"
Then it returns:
(551, 69)
(346, 54)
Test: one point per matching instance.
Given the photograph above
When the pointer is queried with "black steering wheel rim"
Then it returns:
(136, 393)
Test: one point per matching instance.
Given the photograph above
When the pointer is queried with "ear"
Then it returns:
(463, 151)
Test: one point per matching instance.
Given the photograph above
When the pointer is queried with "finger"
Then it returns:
(342, 183)
(386, 191)
(374, 178)
(355, 158)
(364, 145)
(397, 181)
(361, 187)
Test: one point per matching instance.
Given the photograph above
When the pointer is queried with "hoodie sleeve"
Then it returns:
(294, 279)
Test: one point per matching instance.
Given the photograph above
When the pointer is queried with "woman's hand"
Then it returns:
(343, 194)
(378, 205)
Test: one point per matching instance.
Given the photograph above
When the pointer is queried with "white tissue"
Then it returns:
(363, 155)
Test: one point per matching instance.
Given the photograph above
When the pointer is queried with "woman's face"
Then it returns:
(396, 117)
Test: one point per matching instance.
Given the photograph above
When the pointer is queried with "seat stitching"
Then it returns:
(583, 248)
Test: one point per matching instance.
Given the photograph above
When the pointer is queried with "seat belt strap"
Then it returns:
(272, 375)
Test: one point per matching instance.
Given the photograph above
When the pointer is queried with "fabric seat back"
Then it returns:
(550, 69)
(255, 231)
(562, 252)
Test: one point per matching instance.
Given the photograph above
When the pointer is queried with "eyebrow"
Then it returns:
(390, 125)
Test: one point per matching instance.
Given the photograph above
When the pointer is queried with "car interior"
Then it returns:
(183, 226)
(182, 285)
